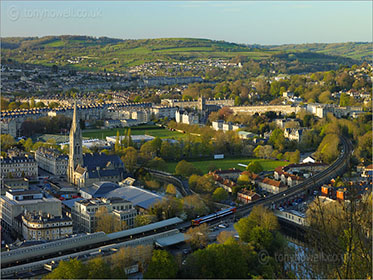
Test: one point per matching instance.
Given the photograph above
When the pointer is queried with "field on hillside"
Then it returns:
(204, 165)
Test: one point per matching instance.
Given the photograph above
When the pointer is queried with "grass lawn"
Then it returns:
(152, 130)
(204, 165)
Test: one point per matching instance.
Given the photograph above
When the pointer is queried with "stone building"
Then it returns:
(15, 202)
(84, 212)
(52, 161)
(18, 167)
(42, 226)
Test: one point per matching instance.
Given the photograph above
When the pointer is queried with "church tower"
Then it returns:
(75, 152)
(201, 103)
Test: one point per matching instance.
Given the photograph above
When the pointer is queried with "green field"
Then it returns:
(204, 165)
(152, 130)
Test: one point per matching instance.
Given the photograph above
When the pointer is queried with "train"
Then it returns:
(222, 213)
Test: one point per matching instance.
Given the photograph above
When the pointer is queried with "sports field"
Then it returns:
(152, 130)
(267, 164)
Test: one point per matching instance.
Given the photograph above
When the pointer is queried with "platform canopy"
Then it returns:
(171, 240)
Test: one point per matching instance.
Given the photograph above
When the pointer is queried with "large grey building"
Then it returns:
(15, 202)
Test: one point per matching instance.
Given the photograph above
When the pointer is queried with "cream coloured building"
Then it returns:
(42, 226)
(52, 161)
(18, 167)
(84, 212)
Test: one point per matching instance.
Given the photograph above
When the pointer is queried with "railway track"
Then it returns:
(335, 169)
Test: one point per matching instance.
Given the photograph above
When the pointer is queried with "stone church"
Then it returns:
(84, 170)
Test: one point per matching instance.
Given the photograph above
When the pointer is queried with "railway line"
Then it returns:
(25, 259)
(335, 169)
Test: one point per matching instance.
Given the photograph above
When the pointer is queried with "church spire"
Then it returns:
(75, 149)
(75, 118)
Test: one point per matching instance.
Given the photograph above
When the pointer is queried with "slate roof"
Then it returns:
(104, 173)
(137, 196)
(70, 203)
(91, 161)
(100, 189)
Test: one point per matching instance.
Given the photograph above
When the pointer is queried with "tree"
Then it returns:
(71, 269)
(130, 159)
(156, 143)
(198, 236)
(167, 151)
(328, 148)
(220, 194)
(342, 232)
(171, 189)
(98, 269)
(277, 139)
(224, 236)
(294, 156)
(237, 101)
(325, 97)
(186, 169)
(344, 100)
(129, 138)
(259, 216)
(107, 222)
(364, 148)
(194, 206)
(231, 260)
(142, 220)
(162, 266)
(128, 256)
(254, 167)
(148, 150)
(13, 105)
(157, 163)
(4, 104)
(28, 144)
(32, 102)
(117, 144)
(7, 141)
(166, 208)
(203, 184)
(40, 104)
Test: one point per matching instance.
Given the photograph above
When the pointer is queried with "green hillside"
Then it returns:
(117, 55)
(358, 50)
(98, 54)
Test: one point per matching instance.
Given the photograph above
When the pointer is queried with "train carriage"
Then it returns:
(214, 216)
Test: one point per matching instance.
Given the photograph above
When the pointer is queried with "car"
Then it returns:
(186, 251)
(222, 226)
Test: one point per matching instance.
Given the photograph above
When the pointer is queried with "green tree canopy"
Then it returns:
(254, 167)
(220, 194)
(162, 266)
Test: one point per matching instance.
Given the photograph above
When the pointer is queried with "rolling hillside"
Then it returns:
(358, 50)
(98, 54)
